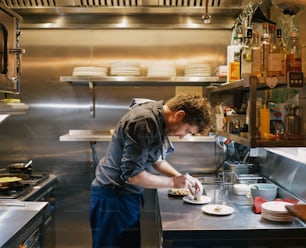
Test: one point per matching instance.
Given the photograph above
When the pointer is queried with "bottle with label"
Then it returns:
(283, 50)
(233, 60)
(264, 121)
(274, 66)
(265, 48)
(246, 54)
(293, 61)
(256, 55)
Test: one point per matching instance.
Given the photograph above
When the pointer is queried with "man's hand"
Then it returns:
(187, 181)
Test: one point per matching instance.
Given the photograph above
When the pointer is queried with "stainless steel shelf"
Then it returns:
(105, 136)
(12, 108)
(145, 81)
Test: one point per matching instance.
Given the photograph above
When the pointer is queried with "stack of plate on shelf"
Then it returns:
(161, 71)
(125, 68)
(89, 71)
(276, 211)
(197, 70)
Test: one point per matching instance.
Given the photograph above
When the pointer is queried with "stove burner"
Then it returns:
(17, 189)
(36, 178)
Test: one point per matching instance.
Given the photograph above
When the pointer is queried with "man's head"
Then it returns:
(187, 113)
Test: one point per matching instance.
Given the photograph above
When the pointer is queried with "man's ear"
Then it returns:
(179, 115)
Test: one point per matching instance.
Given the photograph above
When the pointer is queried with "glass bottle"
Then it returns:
(265, 48)
(292, 122)
(274, 66)
(293, 61)
(246, 54)
(283, 50)
(256, 56)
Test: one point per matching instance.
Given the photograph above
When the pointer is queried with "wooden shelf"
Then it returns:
(251, 85)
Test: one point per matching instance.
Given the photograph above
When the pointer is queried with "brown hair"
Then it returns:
(196, 108)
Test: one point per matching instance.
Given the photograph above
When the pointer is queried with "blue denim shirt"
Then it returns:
(137, 143)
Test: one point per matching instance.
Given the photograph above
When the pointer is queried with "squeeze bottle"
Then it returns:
(264, 121)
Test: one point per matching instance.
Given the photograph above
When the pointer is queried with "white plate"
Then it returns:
(217, 209)
(204, 199)
(275, 206)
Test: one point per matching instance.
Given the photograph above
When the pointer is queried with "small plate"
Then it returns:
(217, 209)
(203, 200)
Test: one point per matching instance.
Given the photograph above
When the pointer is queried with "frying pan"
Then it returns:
(10, 178)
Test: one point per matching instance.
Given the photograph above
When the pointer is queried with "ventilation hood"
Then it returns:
(101, 14)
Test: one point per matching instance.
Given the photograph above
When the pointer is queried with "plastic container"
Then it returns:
(265, 190)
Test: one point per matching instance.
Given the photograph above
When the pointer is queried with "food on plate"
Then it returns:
(217, 209)
(179, 191)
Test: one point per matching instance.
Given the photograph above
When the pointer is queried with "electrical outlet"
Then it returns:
(295, 79)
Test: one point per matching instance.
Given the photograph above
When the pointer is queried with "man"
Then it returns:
(138, 147)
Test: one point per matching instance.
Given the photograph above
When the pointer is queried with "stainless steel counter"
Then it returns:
(18, 220)
(185, 225)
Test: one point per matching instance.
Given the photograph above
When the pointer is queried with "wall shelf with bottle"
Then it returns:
(251, 86)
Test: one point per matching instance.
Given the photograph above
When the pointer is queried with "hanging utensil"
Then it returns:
(206, 18)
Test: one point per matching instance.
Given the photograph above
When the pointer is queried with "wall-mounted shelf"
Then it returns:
(251, 85)
(105, 136)
(144, 81)
(12, 108)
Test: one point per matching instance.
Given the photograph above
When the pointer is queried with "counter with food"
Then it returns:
(222, 219)
(21, 222)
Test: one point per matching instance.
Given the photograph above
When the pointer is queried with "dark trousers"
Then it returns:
(114, 218)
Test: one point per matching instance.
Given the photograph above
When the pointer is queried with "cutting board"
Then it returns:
(298, 210)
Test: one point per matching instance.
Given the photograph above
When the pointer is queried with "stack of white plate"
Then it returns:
(125, 68)
(276, 211)
(89, 71)
(161, 71)
(197, 70)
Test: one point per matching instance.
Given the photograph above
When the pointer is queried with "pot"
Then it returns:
(23, 168)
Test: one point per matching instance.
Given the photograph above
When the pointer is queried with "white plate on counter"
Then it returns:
(217, 209)
(203, 200)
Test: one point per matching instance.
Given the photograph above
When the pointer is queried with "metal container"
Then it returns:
(237, 167)
(23, 168)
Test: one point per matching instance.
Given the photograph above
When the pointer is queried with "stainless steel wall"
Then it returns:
(56, 107)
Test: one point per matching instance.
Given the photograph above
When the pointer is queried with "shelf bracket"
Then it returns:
(93, 97)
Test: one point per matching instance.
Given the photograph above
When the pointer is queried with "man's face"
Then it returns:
(176, 127)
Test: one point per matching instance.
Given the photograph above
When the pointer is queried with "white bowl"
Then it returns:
(265, 190)
(241, 189)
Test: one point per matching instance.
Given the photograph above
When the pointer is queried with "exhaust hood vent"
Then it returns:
(134, 14)
(120, 3)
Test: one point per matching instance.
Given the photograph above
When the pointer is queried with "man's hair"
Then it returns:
(197, 109)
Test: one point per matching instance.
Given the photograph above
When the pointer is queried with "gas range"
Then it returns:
(21, 188)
